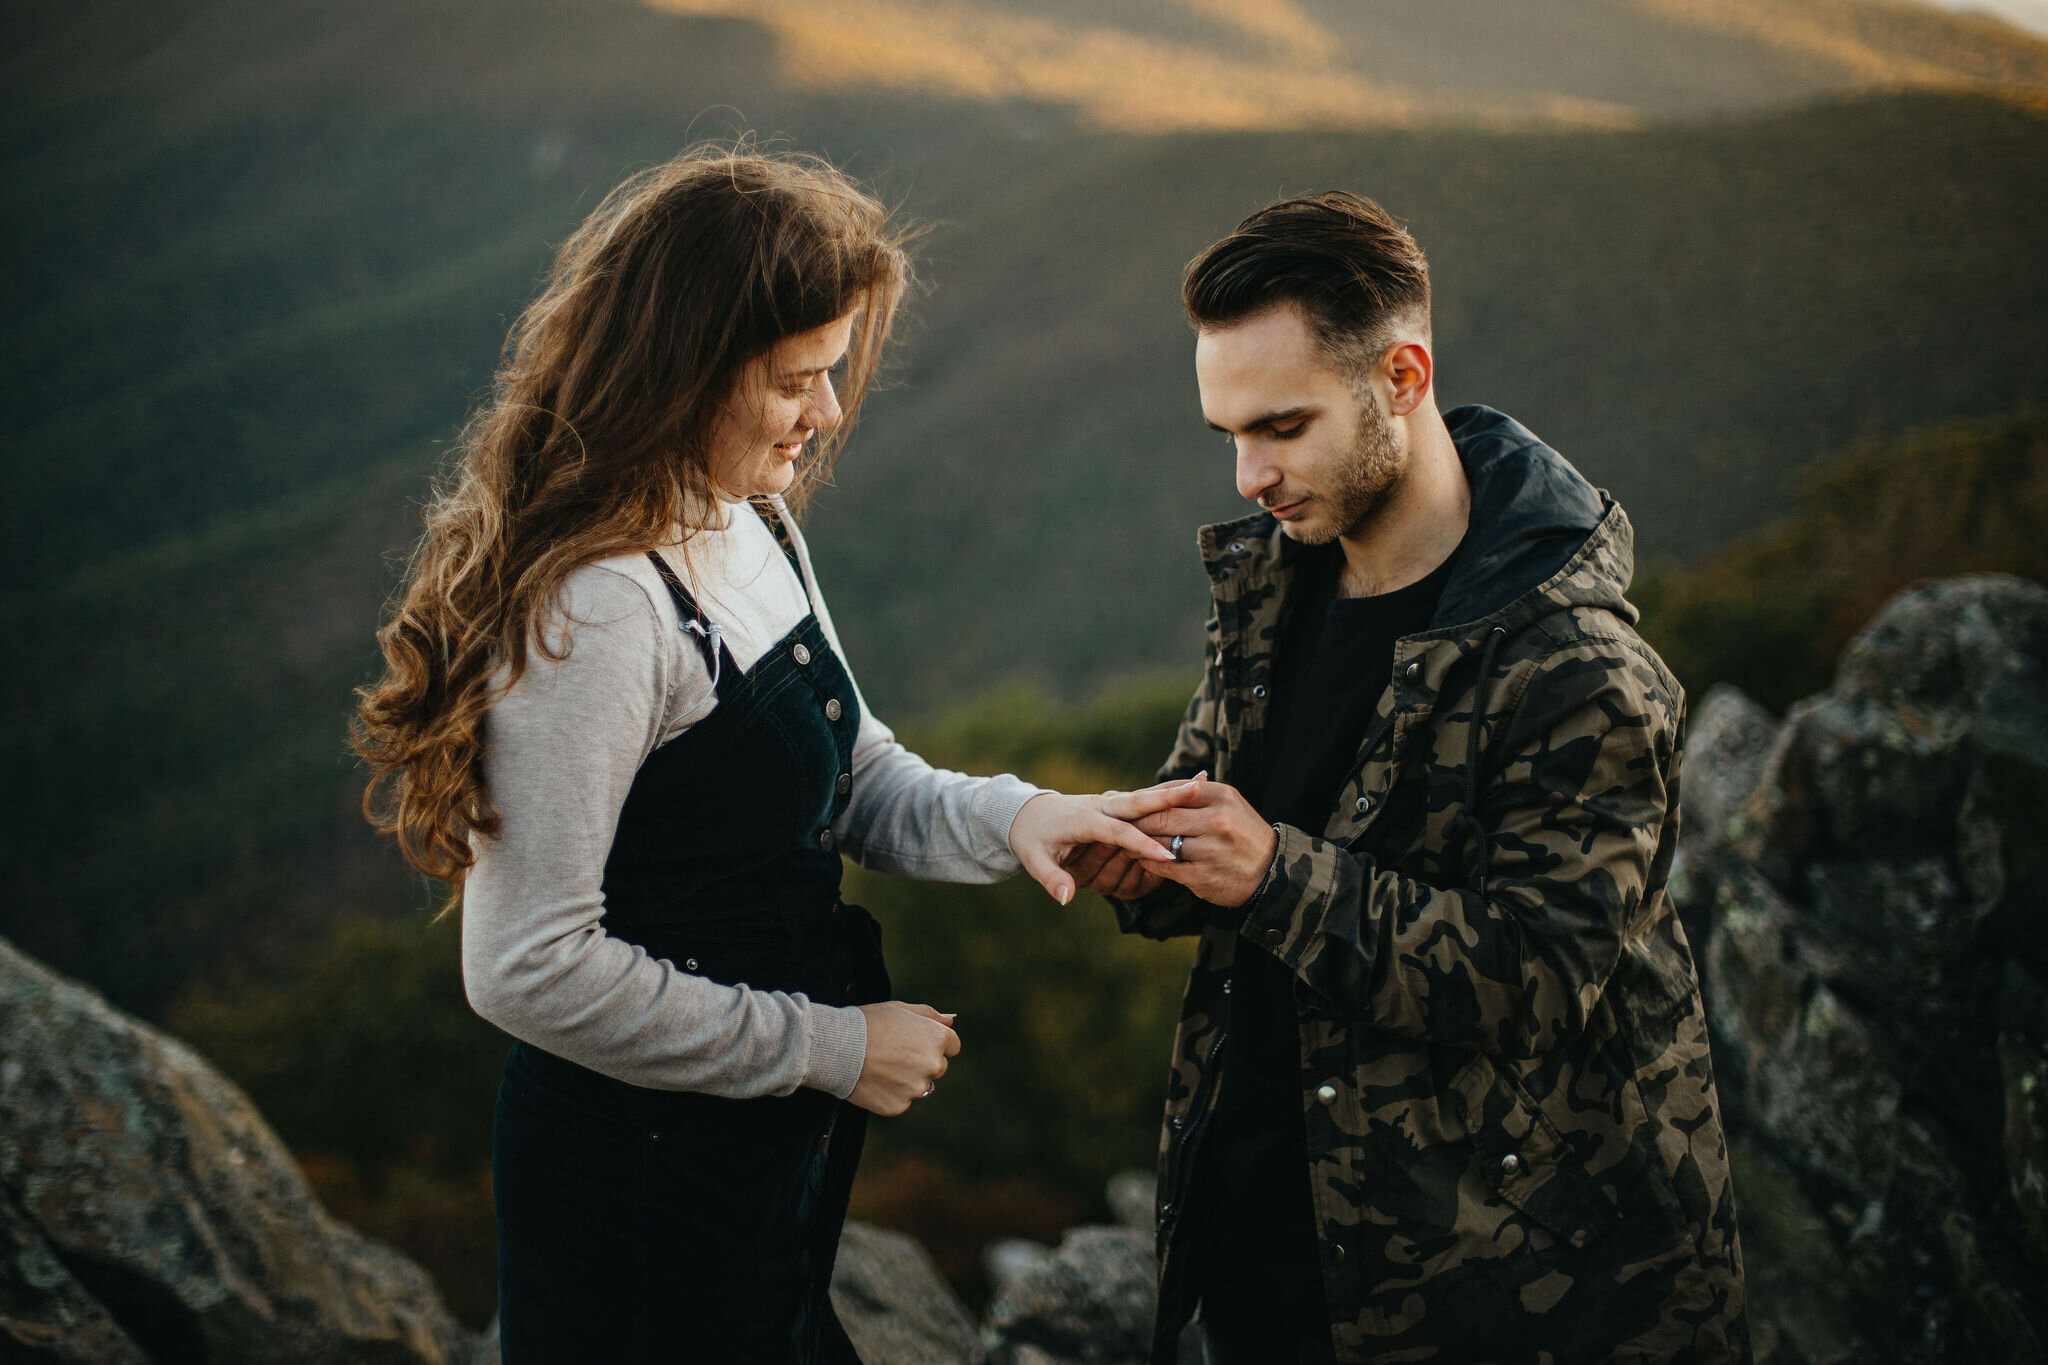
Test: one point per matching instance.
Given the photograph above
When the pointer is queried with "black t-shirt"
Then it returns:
(1335, 658)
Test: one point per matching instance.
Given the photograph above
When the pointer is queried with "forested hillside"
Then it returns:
(269, 253)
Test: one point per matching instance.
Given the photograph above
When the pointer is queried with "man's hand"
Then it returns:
(1111, 870)
(1226, 846)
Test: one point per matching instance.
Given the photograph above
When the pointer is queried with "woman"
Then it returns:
(615, 715)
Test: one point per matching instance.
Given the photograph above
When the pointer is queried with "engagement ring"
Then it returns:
(1174, 847)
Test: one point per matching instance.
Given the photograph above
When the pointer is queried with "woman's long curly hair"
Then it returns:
(595, 441)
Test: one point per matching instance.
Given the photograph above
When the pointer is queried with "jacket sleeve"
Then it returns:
(1573, 822)
(1173, 910)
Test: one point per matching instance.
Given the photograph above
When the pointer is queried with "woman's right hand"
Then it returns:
(907, 1050)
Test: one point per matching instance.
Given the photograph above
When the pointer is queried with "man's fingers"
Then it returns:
(926, 1010)
(1086, 861)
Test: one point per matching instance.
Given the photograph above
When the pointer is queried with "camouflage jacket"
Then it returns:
(1514, 1145)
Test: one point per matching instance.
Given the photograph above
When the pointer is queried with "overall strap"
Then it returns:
(692, 620)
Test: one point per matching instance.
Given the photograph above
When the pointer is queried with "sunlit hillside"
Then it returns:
(1154, 65)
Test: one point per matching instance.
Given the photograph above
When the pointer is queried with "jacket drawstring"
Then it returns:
(1465, 824)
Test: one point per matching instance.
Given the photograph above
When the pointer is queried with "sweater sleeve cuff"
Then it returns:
(995, 809)
(838, 1038)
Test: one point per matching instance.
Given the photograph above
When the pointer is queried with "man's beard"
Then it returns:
(1368, 479)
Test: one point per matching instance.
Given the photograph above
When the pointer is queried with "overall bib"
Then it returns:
(653, 1225)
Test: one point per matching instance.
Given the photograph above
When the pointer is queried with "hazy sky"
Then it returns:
(2031, 14)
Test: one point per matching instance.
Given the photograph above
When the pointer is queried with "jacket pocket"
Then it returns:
(1525, 1161)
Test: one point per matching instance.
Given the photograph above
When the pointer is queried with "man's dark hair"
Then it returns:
(1341, 258)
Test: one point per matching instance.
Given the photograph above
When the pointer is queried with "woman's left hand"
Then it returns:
(1051, 826)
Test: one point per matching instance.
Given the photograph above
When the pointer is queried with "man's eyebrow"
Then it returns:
(1268, 419)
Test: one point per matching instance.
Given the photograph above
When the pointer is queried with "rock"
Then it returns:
(1132, 1196)
(893, 1302)
(1878, 912)
(1728, 743)
(149, 1207)
(1949, 673)
(2024, 1067)
(1091, 1303)
(45, 1314)
(1007, 1258)
(486, 1352)
(1799, 1297)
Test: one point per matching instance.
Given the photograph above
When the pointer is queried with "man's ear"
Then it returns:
(1408, 370)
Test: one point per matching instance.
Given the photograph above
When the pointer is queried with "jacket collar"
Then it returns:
(1540, 537)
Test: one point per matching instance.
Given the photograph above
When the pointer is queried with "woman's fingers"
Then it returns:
(1129, 838)
(907, 1049)
(1134, 805)
(1045, 869)
(1168, 823)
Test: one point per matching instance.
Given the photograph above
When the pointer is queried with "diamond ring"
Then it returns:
(1174, 847)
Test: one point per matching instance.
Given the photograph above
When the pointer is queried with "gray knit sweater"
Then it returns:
(561, 750)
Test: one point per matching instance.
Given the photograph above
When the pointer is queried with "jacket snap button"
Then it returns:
(1273, 936)
(1413, 670)
(1179, 1123)
(689, 964)
(1362, 804)
(845, 783)
(1226, 985)
(1327, 1094)
(1336, 1253)
(1166, 1211)
(803, 656)
(1259, 691)
(1510, 1163)
(832, 709)
(1237, 547)
(825, 841)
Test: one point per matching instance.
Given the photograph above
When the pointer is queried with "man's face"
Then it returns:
(1317, 455)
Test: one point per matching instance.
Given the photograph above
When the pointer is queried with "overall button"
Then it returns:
(844, 784)
(1327, 1093)
(825, 841)
(803, 656)
(1510, 1164)
(832, 709)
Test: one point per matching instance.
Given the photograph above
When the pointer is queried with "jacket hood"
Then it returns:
(1540, 536)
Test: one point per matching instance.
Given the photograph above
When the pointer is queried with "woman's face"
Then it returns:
(780, 401)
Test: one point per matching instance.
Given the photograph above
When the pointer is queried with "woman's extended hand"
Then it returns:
(1051, 828)
(907, 1050)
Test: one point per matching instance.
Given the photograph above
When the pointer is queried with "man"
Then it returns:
(1441, 1088)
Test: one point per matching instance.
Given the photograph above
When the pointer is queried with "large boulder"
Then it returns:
(1090, 1302)
(1877, 903)
(147, 1212)
(896, 1307)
